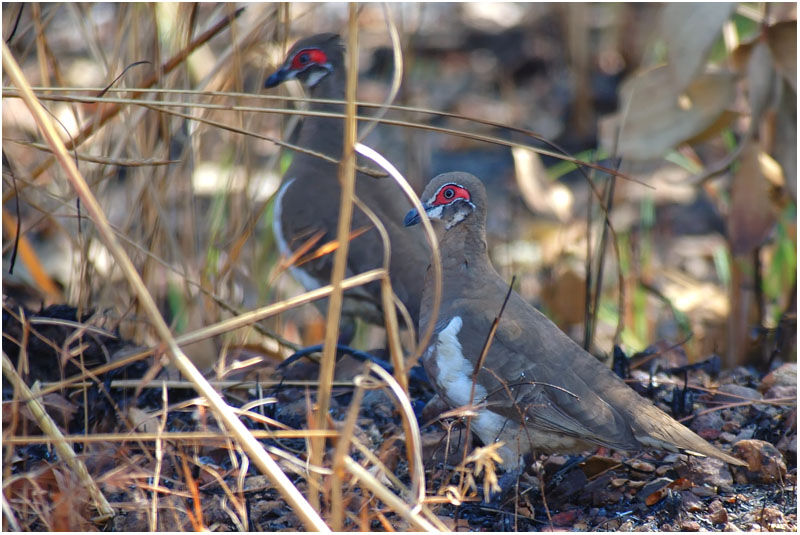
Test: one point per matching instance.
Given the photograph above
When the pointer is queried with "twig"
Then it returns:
(181, 361)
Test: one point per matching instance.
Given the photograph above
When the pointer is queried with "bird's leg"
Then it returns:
(507, 481)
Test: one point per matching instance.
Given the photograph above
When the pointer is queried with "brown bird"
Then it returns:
(541, 392)
(307, 204)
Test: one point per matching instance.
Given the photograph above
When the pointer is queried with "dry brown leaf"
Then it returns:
(689, 30)
(740, 56)
(655, 120)
(760, 81)
(724, 121)
(782, 41)
(752, 214)
(784, 148)
(540, 193)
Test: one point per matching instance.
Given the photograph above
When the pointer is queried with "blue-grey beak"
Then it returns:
(277, 77)
(411, 218)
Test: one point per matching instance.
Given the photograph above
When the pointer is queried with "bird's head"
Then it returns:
(452, 198)
(310, 60)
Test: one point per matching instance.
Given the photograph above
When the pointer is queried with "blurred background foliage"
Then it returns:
(696, 102)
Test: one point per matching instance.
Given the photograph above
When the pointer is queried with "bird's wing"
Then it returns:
(544, 378)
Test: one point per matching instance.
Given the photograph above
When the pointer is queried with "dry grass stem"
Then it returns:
(181, 361)
(49, 427)
(397, 505)
(347, 178)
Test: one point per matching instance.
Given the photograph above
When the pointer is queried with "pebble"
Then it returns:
(708, 421)
(769, 518)
(781, 391)
(703, 491)
(766, 464)
(565, 518)
(746, 432)
(663, 469)
(727, 437)
(652, 487)
(717, 512)
(691, 503)
(642, 466)
(731, 426)
(784, 375)
(705, 471)
(788, 443)
(690, 525)
(732, 393)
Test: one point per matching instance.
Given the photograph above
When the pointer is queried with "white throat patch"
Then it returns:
(314, 78)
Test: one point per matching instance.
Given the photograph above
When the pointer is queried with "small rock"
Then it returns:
(746, 433)
(705, 471)
(691, 503)
(781, 391)
(565, 518)
(784, 375)
(730, 526)
(788, 444)
(690, 525)
(663, 469)
(709, 434)
(731, 426)
(256, 483)
(735, 394)
(727, 437)
(765, 462)
(769, 518)
(618, 482)
(652, 487)
(709, 420)
(717, 512)
(642, 466)
(703, 491)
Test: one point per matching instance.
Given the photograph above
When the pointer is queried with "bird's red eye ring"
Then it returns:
(308, 56)
(449, 193)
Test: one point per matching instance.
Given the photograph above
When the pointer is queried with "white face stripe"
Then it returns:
(314, 78)
(435, 213)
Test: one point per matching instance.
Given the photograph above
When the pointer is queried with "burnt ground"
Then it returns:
(202, 483)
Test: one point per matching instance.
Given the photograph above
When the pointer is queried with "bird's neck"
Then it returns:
(465, 262)
(324, 134)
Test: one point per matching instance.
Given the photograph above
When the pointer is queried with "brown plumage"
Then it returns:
(308, 201)
(543, 392)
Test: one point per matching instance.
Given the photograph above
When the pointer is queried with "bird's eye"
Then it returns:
(448, 194)
(303, 58)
